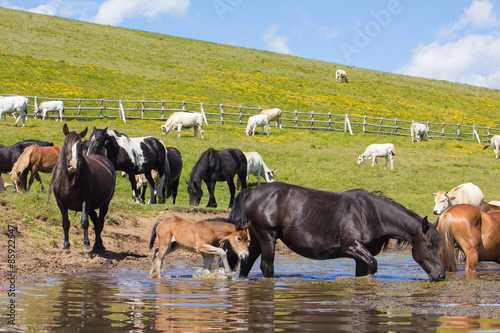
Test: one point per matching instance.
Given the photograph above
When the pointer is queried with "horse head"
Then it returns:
(425, 250)
(71, 149)
(195, 193)
(239, 240)
(98, 140)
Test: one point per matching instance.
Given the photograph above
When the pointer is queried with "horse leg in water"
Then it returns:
(267, 246)
(253, 254)
(365, 261)
(211, 190)
(161, 252)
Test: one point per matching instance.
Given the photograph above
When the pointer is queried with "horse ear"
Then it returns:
(238, 225)
(65, 129)
(84, 132)
(425, 225)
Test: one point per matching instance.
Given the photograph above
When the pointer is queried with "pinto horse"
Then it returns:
(135, 156)
(83, 184)
(477, 234)
(324, 225)
(213, 166)
(10, 154)
(203, 237)
(34, 159)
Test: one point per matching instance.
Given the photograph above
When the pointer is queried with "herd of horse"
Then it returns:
(315, 224)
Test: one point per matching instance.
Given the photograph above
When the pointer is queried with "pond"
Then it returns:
(305, 296)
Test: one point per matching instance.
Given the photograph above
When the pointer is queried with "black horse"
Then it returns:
(82, 184)
(135, 156)
(216, 166)
(10, 154)
(325, 225)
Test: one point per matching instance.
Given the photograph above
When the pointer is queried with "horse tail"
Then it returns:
(167, 173)
(153, 235)
(447, 249)
(238, 210)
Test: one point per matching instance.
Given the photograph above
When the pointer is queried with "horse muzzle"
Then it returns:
(243, 255)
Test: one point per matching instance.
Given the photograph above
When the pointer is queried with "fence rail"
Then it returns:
(160, 110)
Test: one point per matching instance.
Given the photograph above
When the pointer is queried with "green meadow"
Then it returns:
(60, 58)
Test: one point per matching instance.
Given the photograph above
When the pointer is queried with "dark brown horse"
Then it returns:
(217, 166)
(477, 234)
(325, 225)
(83, 184)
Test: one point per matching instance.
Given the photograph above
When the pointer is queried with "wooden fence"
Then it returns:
(160, 110)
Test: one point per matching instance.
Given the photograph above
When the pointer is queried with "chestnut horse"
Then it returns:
(477, 234)
(82, 184)
(203, 237)
(34, 159)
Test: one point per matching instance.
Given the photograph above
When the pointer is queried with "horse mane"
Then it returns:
(24, 160)
(200, 166)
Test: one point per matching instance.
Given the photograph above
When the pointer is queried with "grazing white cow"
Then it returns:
(13, 104)
(378, 150)
(259, 120)
(495, 142)
(184, 119)
(273, 114)
(418, 131)
(49, 106)
(341, 76)
(257, 167)
(467, 193)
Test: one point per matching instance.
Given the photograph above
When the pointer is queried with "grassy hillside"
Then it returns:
(55, 57)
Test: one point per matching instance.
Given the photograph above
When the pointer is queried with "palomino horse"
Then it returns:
(34, 159)
(324, 225)
(10, 154)
(135, 156)
(203, 237)
(83, 184)
(217, 166)
(476, 233)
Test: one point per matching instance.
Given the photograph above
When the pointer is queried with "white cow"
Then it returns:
(341, 76)
(495, 142)
(184, 119)
(49, 106)
(259, 120)
(378, 150)
(13, 104)
(419, 131)
(257, 167)
(467, 193)
(273, 114)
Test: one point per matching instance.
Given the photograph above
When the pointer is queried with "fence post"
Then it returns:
(221, 113)
(296, 119)
(381, 121)
(183, 105)
(312, 119)
(396, 125)
(142, 111)
(35, 106)
(458, 131)
(241, 113)
(347, 123)
(102, 108)
(329, 121)
(162, 109)
(364, 124)
(475, 133)
(121, 112)
(442, 129)
(79, 108)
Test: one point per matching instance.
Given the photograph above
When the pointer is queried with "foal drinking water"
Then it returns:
(203, 237)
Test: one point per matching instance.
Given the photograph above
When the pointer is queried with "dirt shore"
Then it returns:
(126, 242)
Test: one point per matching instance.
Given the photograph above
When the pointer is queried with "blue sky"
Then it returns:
(453, 40)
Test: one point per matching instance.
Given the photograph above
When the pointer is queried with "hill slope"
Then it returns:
(55, 57)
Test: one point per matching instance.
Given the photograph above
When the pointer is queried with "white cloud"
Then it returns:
(471, 59)
(50, 8)
(113, 12)
(278, 44)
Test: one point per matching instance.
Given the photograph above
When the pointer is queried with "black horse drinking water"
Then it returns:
(82, 184)
(216, 166)
(325, 225)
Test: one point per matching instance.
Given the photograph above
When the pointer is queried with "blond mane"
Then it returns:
(22, 162)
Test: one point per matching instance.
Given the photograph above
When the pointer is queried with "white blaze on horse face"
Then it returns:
(73, 162)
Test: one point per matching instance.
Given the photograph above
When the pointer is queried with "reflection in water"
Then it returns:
(306, 296)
